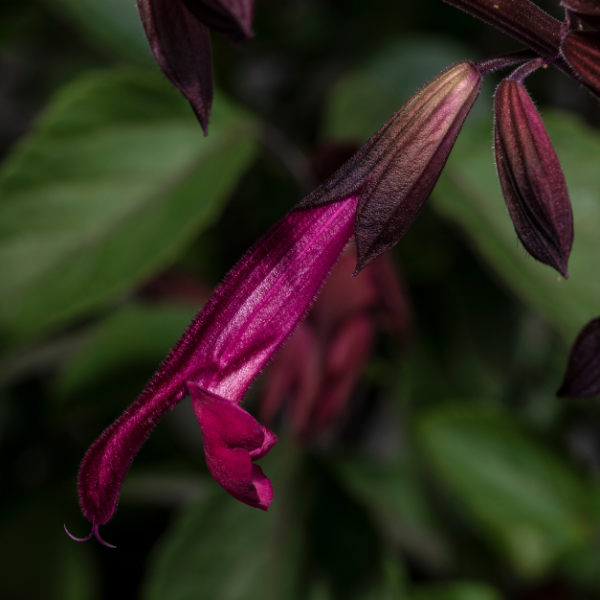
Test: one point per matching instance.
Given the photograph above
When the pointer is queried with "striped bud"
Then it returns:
(581, 49)
(531, 178)
(396, 170)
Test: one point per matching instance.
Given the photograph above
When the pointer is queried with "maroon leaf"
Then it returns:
(181, 46)
(232, 18)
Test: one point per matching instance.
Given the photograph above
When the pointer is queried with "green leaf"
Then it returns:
(463, 590)
(111, 25)
(136, 334)
(221, 548)
(363, 100)
(392, 493)
(469, 194)
(114, 184)
(531, 506)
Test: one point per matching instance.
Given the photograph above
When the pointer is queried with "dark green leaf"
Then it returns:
(532, 507)
(362, 101)
(219, 548)
(393, 494)
(114, 184)
(127, 337)
(111, 25)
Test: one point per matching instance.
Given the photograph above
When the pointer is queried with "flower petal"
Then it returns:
(232, 440)
(245, 321)
(181, 46)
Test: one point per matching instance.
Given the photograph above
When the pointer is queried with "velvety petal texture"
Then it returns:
(181, 46)
(582, 379)
(581, 49)
(232, 18)
(397, 169)
(232, 440)
(242, 325)
(531, 178)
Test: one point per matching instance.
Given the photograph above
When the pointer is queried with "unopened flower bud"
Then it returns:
(397, 169)
(581, 49)
(582, 379)
(532, 180)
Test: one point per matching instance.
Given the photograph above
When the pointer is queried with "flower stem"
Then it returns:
(490, 65)
(520, 19)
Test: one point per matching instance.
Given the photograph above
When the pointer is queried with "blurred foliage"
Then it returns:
(458, 475)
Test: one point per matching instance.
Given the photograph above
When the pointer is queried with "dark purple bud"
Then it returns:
(532, 180)
(232, 18)
(181, 47)
(397, 169)
(582, 51)
(587, 10)
(582, 379)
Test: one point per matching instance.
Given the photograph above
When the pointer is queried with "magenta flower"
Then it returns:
(242, 325)
(376, 195)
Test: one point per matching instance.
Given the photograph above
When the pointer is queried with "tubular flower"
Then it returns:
(582, 379)
(396, 170)
(531, 178)
(178, 33)
(376, 195)
(248, 317)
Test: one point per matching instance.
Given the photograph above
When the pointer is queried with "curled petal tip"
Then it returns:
(94, 533)
(76, 539)
(99, 538)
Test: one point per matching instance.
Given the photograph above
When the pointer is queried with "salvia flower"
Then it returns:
(582, 379)
(531, 178)
(396, 170)
(178, 33)
(244, 322)
(375, 195)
